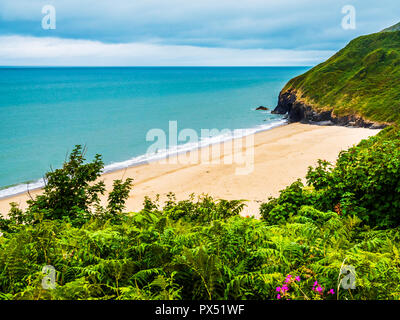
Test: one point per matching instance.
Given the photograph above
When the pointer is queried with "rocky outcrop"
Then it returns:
(262, 108)
(297, 111)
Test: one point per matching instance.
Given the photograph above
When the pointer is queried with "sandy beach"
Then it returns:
(281, 155)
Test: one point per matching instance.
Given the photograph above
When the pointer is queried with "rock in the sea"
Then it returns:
(262, 108)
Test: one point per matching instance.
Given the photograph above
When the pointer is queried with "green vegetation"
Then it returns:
(396, 27)
(347, 214)
(361, 79)
(365, 182)
(202, 248)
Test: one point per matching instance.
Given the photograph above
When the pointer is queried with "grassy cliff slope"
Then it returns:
(363, 79)
(396, 27)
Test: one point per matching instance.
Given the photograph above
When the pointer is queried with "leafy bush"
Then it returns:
(72, 193)
(70, 189)
(364, 182)
(150, 255)
(203, 249)
(278, 210)
(205, 209)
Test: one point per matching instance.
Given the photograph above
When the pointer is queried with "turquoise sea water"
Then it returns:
(44, 112)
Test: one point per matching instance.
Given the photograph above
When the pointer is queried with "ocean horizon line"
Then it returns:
(116, 67)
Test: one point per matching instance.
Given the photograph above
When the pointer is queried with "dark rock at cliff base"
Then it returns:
(262, 108)
(285, 103)
(298, 111)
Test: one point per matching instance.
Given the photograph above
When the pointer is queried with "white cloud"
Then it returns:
(241, 24)
(35, 51)
(285, 24)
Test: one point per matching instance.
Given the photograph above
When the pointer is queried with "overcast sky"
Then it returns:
(184, 32)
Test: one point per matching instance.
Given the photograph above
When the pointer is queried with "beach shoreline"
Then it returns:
(281, 155)
(144, 159)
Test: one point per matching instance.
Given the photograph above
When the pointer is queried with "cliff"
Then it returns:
(358, 86)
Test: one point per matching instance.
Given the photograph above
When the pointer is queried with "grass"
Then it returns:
(362, 79)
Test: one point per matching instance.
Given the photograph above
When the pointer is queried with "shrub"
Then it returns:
(72, 193)
(203, 249)
(364, 182)
(205, 209)
(70, 189)
(278, 210)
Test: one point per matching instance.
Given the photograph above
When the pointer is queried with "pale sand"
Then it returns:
(282, 155)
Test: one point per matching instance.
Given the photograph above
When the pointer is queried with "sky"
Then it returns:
(184, 32)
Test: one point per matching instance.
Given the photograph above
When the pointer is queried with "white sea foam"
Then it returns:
(20, 188)
(150, 157)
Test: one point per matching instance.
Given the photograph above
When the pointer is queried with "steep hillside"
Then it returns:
(396, 27)
(359, 85)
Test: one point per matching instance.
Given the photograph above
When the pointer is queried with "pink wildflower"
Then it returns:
(331, 291)
(278, 296)
(278, 289)
(297, 278)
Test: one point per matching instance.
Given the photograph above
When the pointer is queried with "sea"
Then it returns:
(45, 112)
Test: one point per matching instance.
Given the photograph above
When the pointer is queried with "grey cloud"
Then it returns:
(243, 24)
